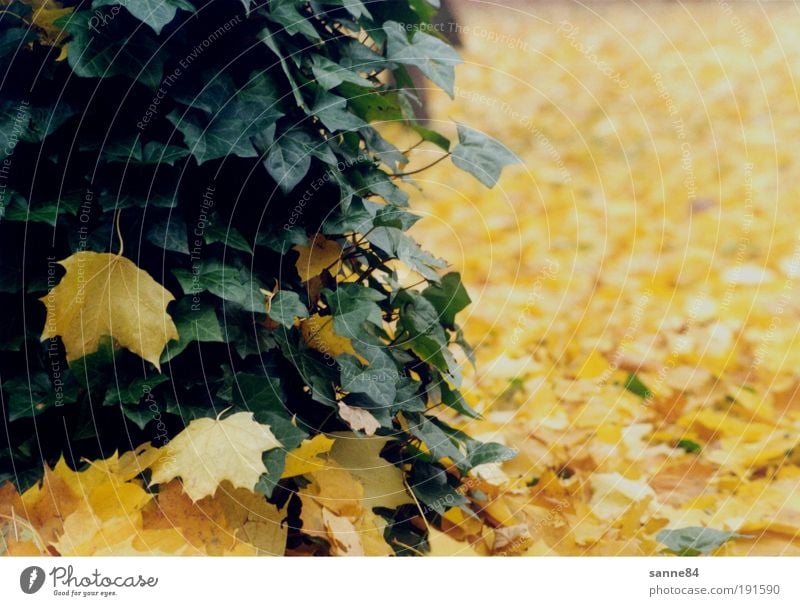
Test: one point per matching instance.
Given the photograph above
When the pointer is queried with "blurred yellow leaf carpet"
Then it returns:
(635, 281)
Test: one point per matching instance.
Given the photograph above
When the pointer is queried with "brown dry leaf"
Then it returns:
(10, 501)
(47, 504)
(255, 521)
(679, 483)
(202, 523)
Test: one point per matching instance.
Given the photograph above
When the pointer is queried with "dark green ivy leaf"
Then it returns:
(481, 156)
(155, 13)
(269, 39)
(435, 58)
(285, 307)
(224, 281)
(286, 13)
(93, 56)
(695, 540)
(330, 75)
(480, 453)
(30, 396)
(376, 380)
(452, 398)
(169, 234)
(48, 212)
(14, 39)
(397, 244)
(255, 392)
(288, 160)
(196, 320)
(229, 236)
(438, 442)
(20, 121)
(351, 305)
(332, 111)
(432, 486)
(448, 297)
(132, 392)
(230, 120)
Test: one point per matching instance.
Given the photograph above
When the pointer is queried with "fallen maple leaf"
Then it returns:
(336, 490)
(108, 295)
(305, 458)
(209, 451)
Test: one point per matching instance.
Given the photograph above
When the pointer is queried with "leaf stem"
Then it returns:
(424, 168)
(119, 232)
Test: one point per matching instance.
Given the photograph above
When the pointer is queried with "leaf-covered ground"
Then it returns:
(635, 315)
(635, 283)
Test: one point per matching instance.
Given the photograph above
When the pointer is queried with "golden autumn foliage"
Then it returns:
(651, 233)
(634, 315)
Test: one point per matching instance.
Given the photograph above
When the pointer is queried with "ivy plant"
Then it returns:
(231, 145)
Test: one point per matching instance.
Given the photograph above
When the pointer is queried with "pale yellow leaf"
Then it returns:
(359, 419)
(209, 451)
(343, 536)
(443, 545)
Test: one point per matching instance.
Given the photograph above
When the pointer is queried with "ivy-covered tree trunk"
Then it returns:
(199, 216)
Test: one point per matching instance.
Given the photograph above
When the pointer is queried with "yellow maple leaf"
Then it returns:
(44, 14)
(336, 490)
(371, 529)
(322, 254)
(305, 458)
(443, 545)
(209, 451)
(382, 483)
(101, 295)
(318, 334)
(87, 534)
